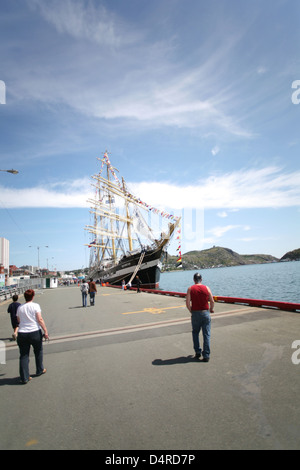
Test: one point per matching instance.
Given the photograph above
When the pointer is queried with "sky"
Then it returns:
(196, 102)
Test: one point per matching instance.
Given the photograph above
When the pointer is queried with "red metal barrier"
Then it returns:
(292, 307)
(164, 292)
(289, 306)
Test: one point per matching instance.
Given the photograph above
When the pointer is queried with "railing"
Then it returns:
(288, 306)
(19, 288)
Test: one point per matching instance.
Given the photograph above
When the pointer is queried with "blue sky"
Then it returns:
(193, 100)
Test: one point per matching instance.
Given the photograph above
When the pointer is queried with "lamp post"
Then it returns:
(38, 248)
(14, 172)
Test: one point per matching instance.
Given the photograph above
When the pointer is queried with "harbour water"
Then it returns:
(272, 281)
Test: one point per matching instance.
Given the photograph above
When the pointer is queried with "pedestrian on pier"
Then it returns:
(84, 291)
(31, 324)
(92, 292)
(197, 299)
(138, 284)
(12, 309)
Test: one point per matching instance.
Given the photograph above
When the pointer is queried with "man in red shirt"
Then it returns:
(197, 298)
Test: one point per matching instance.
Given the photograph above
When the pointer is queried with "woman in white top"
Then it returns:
(30, 333)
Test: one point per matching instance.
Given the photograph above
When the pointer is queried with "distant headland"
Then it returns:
(217, 257)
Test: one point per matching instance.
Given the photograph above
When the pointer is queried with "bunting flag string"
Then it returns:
(179, 259)
(164, 214)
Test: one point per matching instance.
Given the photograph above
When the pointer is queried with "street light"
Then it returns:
(14, 172)
(38, 248)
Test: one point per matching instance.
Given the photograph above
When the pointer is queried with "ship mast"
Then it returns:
(128, 218)
(112, 220)
(108, 236)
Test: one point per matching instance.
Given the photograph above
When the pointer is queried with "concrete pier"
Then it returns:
(121, 375)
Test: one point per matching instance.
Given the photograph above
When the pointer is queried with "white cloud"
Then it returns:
(61, 195)
(222, 214)
(215, 150)
(261, 70)
(82, 20)
(107, 67)
(218, 232)
(265, 188)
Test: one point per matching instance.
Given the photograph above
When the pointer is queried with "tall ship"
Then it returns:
(124, 246)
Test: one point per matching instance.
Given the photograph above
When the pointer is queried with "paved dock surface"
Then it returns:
(121, 375)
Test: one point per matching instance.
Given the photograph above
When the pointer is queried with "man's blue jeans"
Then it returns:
(92, 298)
(201, 321)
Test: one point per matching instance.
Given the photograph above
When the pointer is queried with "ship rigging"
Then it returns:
(123, 244)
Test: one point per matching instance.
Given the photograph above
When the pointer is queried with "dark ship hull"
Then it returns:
(148, 271)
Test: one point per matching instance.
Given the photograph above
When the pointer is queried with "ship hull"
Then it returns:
(148, 272)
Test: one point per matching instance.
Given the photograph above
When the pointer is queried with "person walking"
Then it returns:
(92, 291)
(197, 299)
(31, 324)
(138, 284)
(84, 291)
(12, 310)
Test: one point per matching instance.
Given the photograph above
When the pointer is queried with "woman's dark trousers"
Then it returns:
(25, 340)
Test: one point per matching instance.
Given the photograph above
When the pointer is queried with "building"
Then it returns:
(4, 254)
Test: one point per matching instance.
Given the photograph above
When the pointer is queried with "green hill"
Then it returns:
(217, 256)
(292, 255)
